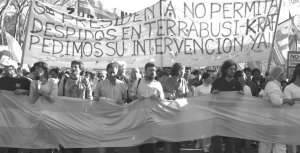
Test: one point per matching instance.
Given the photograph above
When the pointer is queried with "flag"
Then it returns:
(14, 48)
(285, 40)
(294, 36)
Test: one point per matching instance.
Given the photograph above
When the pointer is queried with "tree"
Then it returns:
(19, 6)
(2, 8)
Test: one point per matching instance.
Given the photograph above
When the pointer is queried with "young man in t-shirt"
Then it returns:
(226, 83)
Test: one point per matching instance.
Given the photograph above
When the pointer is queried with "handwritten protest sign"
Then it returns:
(195, 33)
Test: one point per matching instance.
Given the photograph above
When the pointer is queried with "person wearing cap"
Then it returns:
(20, 85)
(274, 94)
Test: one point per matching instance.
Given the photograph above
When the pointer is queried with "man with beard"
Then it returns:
(75, 86)
(226, 82)
(144, 88)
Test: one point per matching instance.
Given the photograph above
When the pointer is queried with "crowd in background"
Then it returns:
(169, 83)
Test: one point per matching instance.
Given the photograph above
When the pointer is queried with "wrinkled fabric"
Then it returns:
(78, 123)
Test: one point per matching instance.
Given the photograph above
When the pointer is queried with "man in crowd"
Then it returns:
(187, 73)
(112, 88)
(144, 88)
(20, 85)
(250, 83)
(93, 81)
(121, 72)
(101, 76)
(75, 86)
(197, 80)
(226, 83)
(257, 79)
(175, 87)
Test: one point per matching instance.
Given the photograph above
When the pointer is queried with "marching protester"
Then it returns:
(147, 87)
(176, 87)
(204, 88)
(226, 82)
(93, 81)
(134, 75)
(249, 82)
(20, 85)
(54, 73)
(42, 86)
(101, 76)
(112, 88)
(239, 75)
(195, 81)
(121, 72)
(292, 91)
(8, 81)
(274, 94)
(75, 86)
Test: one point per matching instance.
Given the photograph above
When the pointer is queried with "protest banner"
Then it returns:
(195, 33)
(292, 61)
(79, 123)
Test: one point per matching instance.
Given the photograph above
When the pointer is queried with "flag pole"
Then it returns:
(26, 32)
(275, 31)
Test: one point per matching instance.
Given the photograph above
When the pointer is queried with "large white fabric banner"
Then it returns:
(192, 32)
(86, 124)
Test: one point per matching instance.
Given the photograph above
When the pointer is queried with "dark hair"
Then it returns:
(255, 70)
(112, 65)
(295, 73)
(149, 65)
(196, 72)
(283, 82)
(55, 70)
(42, 65)
(226, 65)
(238, 74)
(205, 75)
(79, 63)
(163, 73)
(247, 69)
(176, 68)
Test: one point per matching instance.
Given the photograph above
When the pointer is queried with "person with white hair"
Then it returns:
(122, 71)
(274, 94)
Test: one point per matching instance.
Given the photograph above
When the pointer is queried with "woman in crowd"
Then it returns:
(273, 93)
(239, 75)
(205, 88)
(42, 85)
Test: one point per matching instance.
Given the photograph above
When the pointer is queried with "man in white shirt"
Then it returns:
(112, 88)
(147, 87)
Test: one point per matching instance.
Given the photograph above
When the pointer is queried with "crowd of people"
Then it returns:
(157, 83)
